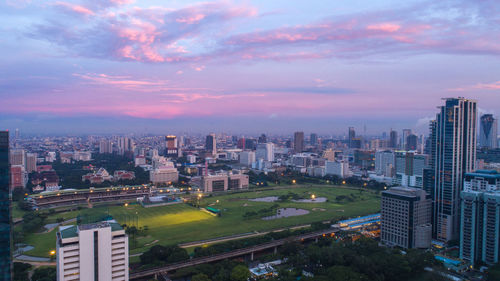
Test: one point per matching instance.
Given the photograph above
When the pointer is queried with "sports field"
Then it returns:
(180, 223)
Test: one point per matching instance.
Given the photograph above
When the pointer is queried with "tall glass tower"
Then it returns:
(454, 154)
(5, 234)
(488, 131)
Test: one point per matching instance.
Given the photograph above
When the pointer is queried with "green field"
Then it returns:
(182, 223)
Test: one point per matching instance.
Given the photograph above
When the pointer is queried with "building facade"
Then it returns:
(96, 252)
(298, 142)
(5, 214)
(488, 131)
(211, 144)
(454, 154)
(480, 217)
(409, 169)
(406, 218)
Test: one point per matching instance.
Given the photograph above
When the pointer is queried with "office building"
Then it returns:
(18, 177)
(406, 218)
(406, 133)
(17, 157)
(298, 142)
(454, 135)
(223, 182)
(265, 151)
(171, 147)
(31, 159)
(337, 168)
(488, 132)
(411, 142)
(313, 140)
(211, 144)
(5, 214)
(409, 169)
(96, 251)
(480, 218)
(164, 174)
(393, 139)
(351, 136)
(247, 157)
(384, 163)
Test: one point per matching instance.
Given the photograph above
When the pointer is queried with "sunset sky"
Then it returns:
(242, 66)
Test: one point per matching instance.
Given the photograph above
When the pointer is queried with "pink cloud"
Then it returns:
(191, 19)
(385, 27)
(478, 86)
(75, 8)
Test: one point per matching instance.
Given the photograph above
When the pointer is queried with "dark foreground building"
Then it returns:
(5, 237)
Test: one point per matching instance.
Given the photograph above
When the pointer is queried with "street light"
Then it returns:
(313, 197)
(294, 181)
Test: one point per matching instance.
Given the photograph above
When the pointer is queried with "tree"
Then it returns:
(200, 277)
(344, 273)
(44, 274)
(240, 273)
(21, 271)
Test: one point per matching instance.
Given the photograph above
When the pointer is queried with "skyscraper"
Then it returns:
(488, 131)
(480, 217)
(454, 138)
(352, 135)
(406, 133)
(171, 146)
(5, 234)
(211, 144)
(313, 139)
(411, 142)
(393, 139)
(298, 142)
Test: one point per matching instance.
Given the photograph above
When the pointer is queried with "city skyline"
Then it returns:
(242, 67)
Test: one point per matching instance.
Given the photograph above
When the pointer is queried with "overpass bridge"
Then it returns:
(232, 254)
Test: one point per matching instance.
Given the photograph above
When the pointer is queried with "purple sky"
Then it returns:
(242, 66)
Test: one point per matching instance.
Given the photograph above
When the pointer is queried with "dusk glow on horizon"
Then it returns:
(243, 66)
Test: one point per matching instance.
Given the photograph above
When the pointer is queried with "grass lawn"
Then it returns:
(180, 223)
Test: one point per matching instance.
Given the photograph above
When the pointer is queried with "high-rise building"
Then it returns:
(105, 146)
(393, 139)
(265, 151)
(17, 157)
(298, 142)
(454, 154)
(488, 132)
(406, 133)
(406, 218)
(31, 159)
(171, 146)
(211, 144)
(5, 215)
(384, 163)
(409, 168)
(351, 136)
(480, 218)
(241, 143)
(411, 142)
(96, 251)
(313, 140)
(247, 157)
(337, 168)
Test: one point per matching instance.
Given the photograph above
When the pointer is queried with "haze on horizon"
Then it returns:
(122, 66)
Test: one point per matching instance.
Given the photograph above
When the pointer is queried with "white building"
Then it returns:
(51, 156)
(247, 158)
(92, 252)
(265, 151)
(165, 174)
(338, 168)
(140, 160)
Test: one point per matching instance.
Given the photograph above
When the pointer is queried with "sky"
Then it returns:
(243, 67)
